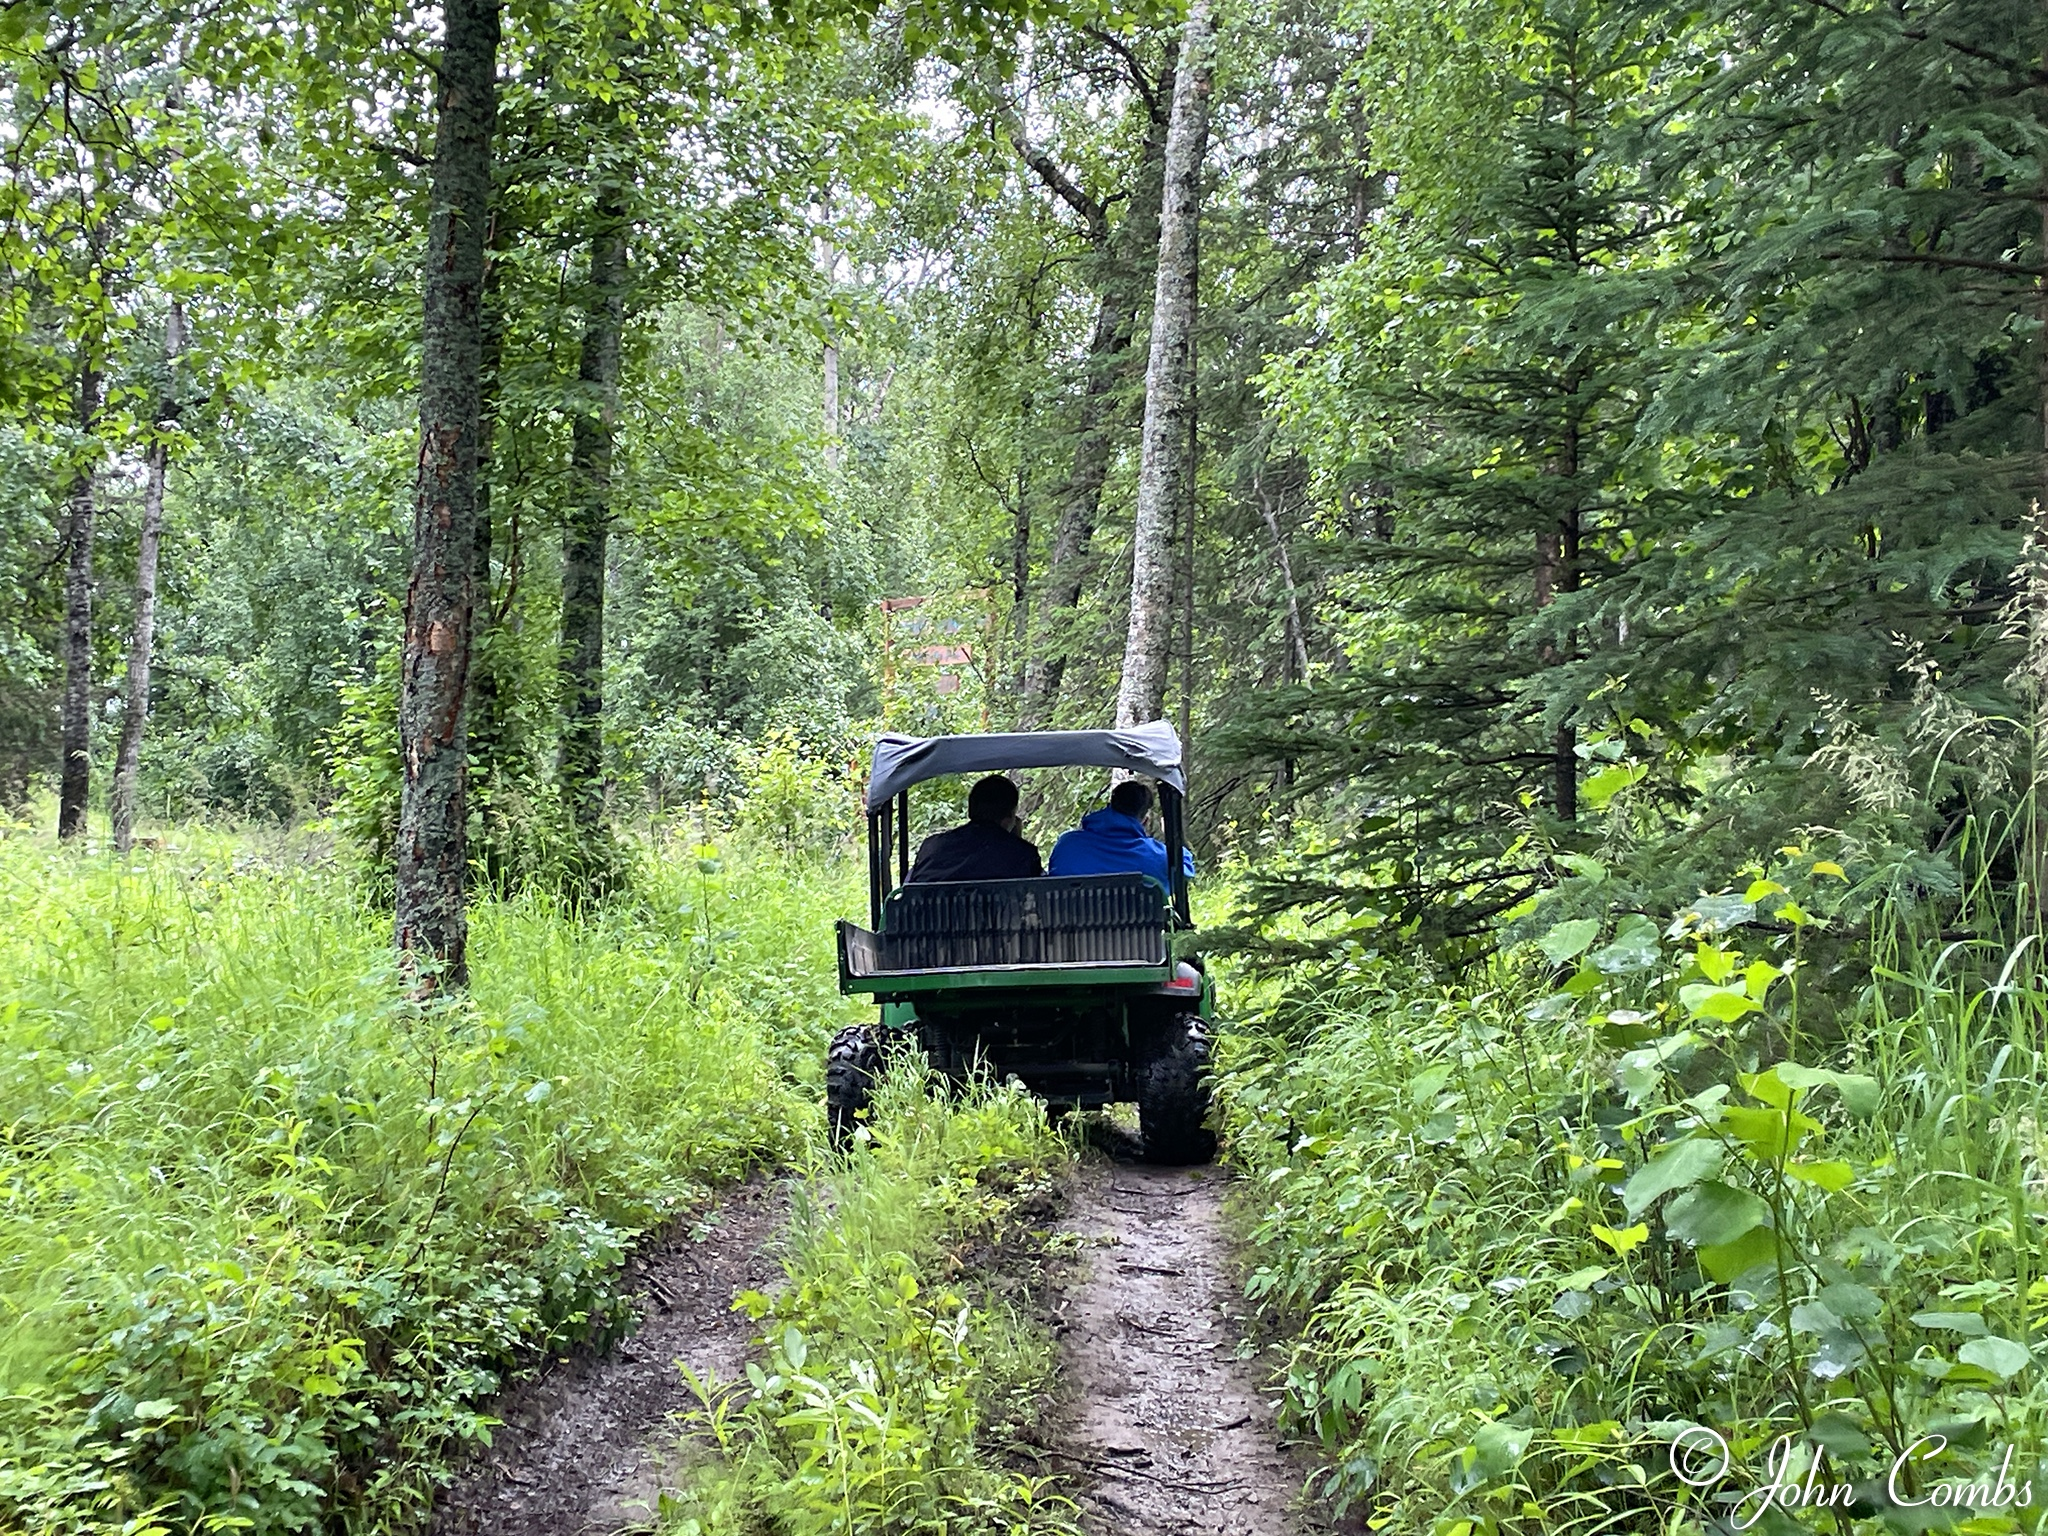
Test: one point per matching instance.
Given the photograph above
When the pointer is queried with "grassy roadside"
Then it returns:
(269, 1232)
(895, 1354)
(1637, 1183)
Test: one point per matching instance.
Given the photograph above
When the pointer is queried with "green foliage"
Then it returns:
(271, 1232)
(1535, 1230)
(882, 1365)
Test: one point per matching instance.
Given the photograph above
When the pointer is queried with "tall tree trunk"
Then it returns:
(584, 543)
(1123, 266)
(831, 398)
(432, 927)
(1165, 465)
(1297, 637)
(485, 719)
(75, 772)
(1557, 571)
(1080, 505)
(141, 642)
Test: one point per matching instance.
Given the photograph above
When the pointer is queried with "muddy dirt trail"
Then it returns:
(587, 1446)
(1165, 1427)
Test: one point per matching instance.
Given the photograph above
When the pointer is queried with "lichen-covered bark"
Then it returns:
(74, 780)
(440, 596)
(1167, 443)
(142, 638)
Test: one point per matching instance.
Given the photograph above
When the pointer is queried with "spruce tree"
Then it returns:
(1497, 353)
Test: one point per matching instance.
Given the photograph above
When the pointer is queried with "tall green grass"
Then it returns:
(270, 1231)
(1530, 1227)
(893, 1356)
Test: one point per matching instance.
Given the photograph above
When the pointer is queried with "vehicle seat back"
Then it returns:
(1071, 920)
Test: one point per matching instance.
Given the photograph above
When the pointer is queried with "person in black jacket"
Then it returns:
(987, 848)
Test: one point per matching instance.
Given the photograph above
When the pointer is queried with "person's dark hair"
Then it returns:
(1131, 797)
(992, 799)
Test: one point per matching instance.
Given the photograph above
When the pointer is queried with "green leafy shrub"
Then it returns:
(1536, 1230)
(270, 1233)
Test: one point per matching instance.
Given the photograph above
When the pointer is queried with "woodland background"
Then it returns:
(1585, 518)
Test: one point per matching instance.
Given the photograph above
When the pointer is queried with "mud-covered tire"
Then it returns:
(852, 1064)
(1173, 1096)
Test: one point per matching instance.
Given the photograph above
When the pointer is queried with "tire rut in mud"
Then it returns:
(587, 1446)
(1164, 1427)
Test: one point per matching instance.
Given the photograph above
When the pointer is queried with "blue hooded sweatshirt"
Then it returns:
(1110, 843)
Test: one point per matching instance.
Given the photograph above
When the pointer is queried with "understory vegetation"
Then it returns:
(1771, 1165)
(271, 1229)
(901, 1350)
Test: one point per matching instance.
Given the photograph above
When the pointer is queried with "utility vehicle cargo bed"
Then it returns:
(1088, 921)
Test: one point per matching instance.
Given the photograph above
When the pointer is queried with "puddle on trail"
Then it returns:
(587, 1446)
(1164, 1428)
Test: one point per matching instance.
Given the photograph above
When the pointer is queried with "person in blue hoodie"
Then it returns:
(1113, 840)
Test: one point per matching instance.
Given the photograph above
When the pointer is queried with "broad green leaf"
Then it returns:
(1625, 1240)
(1634, 947)
(1829, 867)
(1757, 979)
(1677, 1167)
(1811, 1319)
(1840, 1435)
(2003, 1358)
(1767, 1135)
(1840, 1352)
(1969, 1324)
(1579, 1279)
(1715, 963)
(1766, 1088)
(1640, 1072)
(1601, 787)
(1830, 1176)
(794, 1350)
(1851, 1302)
(1570, 939)
(1728, 1262)
(1860, 1094)
(1714, 914)
(1712, 1214)
(1500, 1447)
(1723, 1004)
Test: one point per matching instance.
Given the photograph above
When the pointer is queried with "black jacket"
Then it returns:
(978, 851)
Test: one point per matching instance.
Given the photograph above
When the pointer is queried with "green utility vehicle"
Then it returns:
(1070, 984)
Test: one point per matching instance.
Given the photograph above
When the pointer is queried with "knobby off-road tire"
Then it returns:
(852, 1064)
(1173, 1096)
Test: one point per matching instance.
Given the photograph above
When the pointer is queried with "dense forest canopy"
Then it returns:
(1609, 430)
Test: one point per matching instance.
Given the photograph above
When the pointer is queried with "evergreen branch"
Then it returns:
(2033, 74)
(1934, 259)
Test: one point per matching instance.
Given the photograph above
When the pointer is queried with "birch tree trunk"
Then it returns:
(75, 771)
(432, 926)
(585, 541)
(142, 639)
(1122, 265)
(1163, 469)
(831, 400)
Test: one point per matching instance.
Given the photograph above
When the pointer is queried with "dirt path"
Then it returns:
(1166, 1425)
(584, 1448)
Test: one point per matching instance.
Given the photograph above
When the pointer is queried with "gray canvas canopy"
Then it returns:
(901, 761)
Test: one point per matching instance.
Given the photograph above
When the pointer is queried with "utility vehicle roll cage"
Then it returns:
(901, 762)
